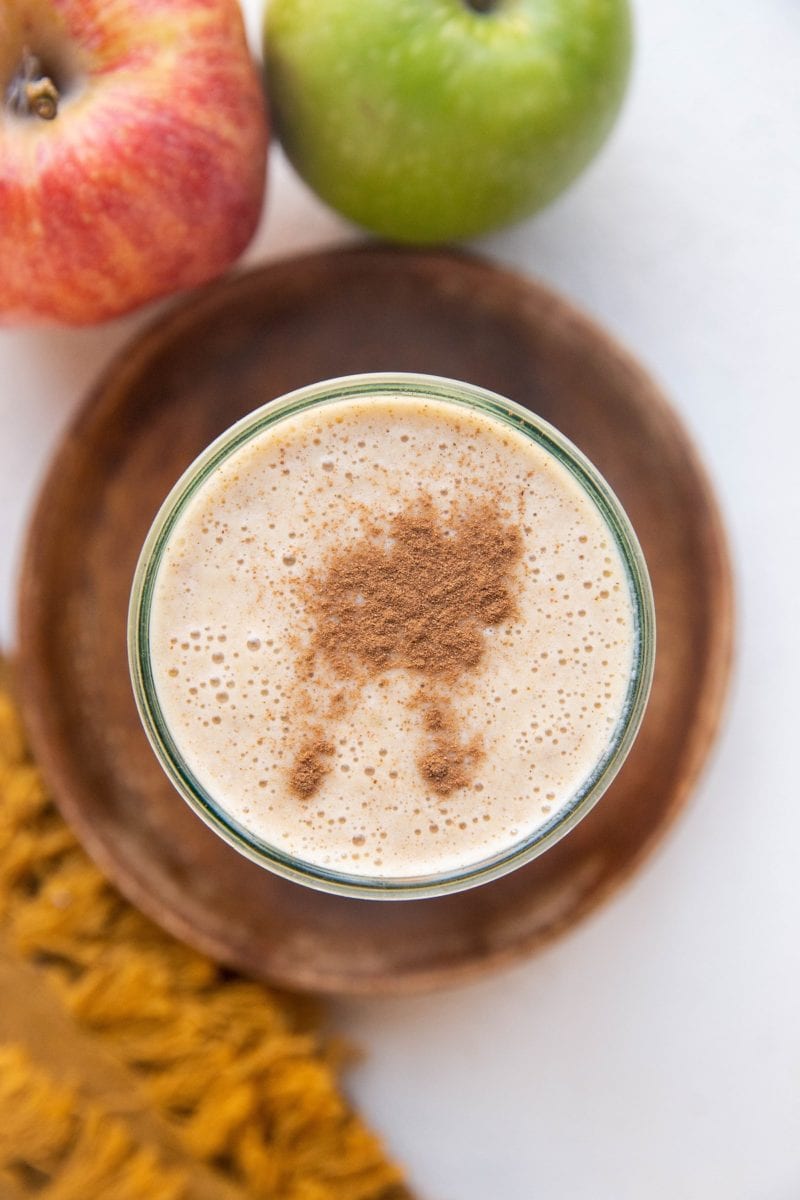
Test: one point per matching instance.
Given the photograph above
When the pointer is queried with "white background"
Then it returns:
(654, 1054)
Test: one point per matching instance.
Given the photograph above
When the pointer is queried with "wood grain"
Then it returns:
(235, 346)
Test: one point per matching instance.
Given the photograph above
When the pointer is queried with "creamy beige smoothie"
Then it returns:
(392, 637)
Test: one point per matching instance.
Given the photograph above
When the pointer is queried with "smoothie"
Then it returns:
(392, 636)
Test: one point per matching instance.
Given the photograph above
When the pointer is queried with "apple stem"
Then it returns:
(481, 6)
(31, 93)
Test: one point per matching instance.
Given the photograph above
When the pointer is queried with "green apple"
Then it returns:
(429, 120)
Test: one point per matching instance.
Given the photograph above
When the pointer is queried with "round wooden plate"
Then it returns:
(229, 349)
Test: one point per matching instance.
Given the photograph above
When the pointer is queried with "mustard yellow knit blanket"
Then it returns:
(133, 1068)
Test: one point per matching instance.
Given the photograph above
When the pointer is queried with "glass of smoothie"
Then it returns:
(391, 636)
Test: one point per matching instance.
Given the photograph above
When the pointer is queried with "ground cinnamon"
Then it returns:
(417, 596)
(447, 762)
(310, 766)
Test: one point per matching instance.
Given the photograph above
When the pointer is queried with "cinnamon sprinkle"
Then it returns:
(417, 596)
(421, 598)
(447, 765)
(309, 767)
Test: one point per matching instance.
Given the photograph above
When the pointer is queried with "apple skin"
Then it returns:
(426, 120)
(151, 176)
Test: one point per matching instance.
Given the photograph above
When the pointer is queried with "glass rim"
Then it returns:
(321, 394)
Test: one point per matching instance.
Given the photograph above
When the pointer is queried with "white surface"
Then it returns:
(655, 1052)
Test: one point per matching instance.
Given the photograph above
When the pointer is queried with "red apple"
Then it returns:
(133, 142)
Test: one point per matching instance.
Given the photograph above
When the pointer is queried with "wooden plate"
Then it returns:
(235, 346)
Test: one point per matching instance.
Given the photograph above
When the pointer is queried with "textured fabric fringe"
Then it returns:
(236, 1071)
(71, 1150)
